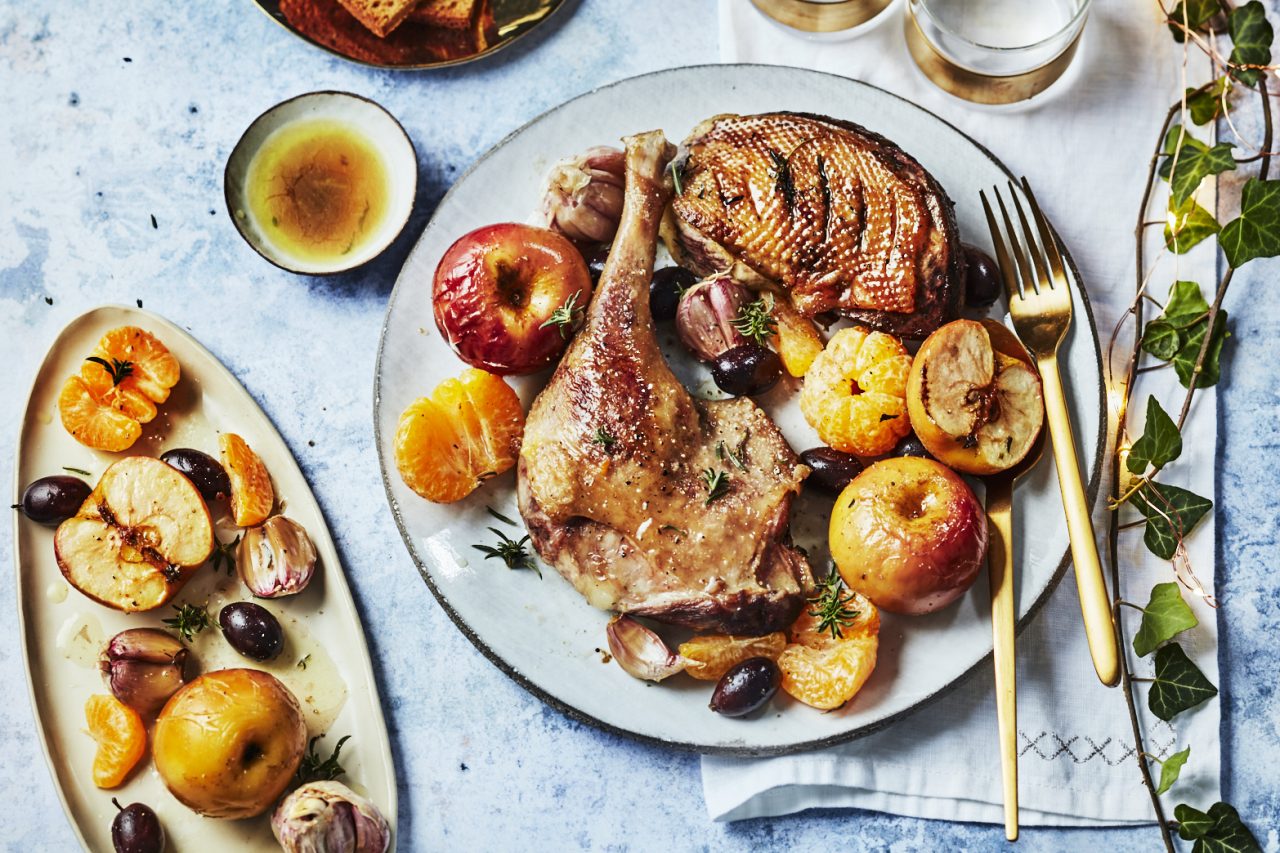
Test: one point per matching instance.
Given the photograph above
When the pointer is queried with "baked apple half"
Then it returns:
(974, 397)
(138, 537)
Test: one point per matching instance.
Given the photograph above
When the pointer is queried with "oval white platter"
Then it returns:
(541, 632)
(63, 631)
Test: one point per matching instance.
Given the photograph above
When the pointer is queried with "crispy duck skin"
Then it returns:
(610, 477)
(839, 217)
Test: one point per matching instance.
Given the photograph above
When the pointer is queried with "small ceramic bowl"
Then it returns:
(376, 125)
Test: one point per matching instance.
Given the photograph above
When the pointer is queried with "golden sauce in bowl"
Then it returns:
(317, 190)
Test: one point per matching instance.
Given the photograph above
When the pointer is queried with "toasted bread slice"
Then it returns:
(449, 14)
(380, 17)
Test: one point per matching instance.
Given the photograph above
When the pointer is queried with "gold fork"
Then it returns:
(1040, 306)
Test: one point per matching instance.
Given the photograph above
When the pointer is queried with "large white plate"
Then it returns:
(541, 632)
(321, 621)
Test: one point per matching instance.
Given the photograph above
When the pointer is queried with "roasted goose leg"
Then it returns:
(613, 473)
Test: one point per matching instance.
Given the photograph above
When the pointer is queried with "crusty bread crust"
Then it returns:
(379, 16)
(449, 14)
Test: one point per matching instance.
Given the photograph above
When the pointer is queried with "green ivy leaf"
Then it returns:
(1173, 516)
(1171, 768)
(1195, 162)
(1187, 226)
(1164, 617)
(1206, 105)
(1184, 361)
(1160, 442)
(1179, 684)
(1185, 305)
(1192, 823)
(1255, 233)
(1251, 36)
(1195, 12)
(1227, 833)
(1162, 340)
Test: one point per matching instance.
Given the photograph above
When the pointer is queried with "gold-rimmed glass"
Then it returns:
(994, 51)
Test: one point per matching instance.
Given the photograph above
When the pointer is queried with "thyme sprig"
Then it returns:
(831, 606)
(117, 368)
(567, 316)
(224, 556)
(604, 438)
(755, 320)
(315, 769)
(511, 552)
(717, 483)
(190, 620)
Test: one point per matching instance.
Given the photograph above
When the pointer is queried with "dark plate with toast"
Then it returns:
(410, 34)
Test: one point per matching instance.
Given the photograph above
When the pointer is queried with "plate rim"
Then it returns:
(581, 716)
(271, 8)
(393, 804)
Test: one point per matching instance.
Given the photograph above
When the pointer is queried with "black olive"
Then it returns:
(52, 500)
(746, 371)
(595, 255)
(982, 281)
(832, 470)
(136, 829)
(665, 289)
(911, 445)
(251, 630)
(200, 468)
(746, 687)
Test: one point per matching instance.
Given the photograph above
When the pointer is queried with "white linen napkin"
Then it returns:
(1086, 152)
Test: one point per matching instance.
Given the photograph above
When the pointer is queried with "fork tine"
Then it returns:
(1029, 238)
(1024, 267)
(1012, 288)
(1046, 234)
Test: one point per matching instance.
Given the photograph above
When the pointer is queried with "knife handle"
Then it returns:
(1000, 575)
(1095, 605)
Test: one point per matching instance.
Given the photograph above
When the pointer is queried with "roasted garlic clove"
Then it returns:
(143, 667)
(707, 315)
(641, 652)
(329, 817)
(583, 200)
(276, 558)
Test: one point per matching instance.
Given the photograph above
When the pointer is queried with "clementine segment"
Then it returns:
(251, 493)
(154, 370)
(93, 424)
(121, 737)
(467, 431)
(825, 672)
(797, 341)
(710, 657)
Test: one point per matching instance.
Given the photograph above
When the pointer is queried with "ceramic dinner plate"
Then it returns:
(63, 631)
(541, 632)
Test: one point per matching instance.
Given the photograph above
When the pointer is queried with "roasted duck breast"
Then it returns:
(648, 501)
(839, 217)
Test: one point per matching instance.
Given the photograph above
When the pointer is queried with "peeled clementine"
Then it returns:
(823, 671)
(467, 431)
(251, 493)
(121, 737)
(854, 393)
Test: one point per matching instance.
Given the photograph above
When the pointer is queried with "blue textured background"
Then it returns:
(110, 118)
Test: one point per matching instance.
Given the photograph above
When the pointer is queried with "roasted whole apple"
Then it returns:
(974, 397)
(909, 534)
(228, 743)
(138, 537)
(508, 297)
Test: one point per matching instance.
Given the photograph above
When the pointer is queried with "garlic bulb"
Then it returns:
(641, 652)
(706, 318)
(584, 195)
(144, 667)
(276, 558)
(329, 817)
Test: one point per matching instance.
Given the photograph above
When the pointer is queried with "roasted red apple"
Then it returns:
(140, 534)
(974, 397)
(909, 534)
(508, 297)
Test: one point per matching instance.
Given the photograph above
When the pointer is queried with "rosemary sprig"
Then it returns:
(224, 556)
(604, 438)
(500, 516)
(717, 483)
(79, 471)
(191, 620)
(510, 551)
(566, 316)
(677, 176)
(313, 769)
(831, 606)
(782, 182)
(302, 663)
(117, 368)
(755, 320)
(724, 453)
